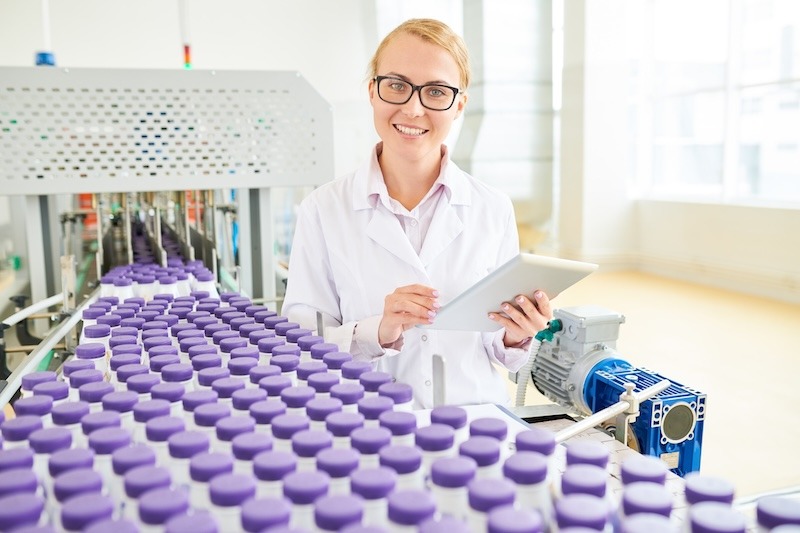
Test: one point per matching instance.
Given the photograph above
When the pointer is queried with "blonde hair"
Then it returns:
(434, 32)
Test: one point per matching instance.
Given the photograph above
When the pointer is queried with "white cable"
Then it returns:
(46, 26)
(524, 374)
(33, 308)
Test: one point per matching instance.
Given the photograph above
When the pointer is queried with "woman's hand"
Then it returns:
(524, 319)
(404, 308)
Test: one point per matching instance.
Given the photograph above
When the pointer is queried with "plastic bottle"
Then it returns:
(584, 479)
(182, 447)
(122, 402)
(435, 441)
(284, 427)
(39, 406)
(646, 497)
(139, 481)
(274, 385)
(20, 510)
(647, 523)
(158, 431)
(69, 415)
(71, 485)
(372, 380)
(581, 510)
(80, 511)
(142, 385)
(204, 281)
(303, 489)
(240, 368)
(179, 373)
(16, 431)
(372, 407)
(409, 508)
(453, 416)
(449, 479)
(349, 394)
(206, 377)
(338, 464)
(369, 441)
(96, 421)
(57, 390)
(264, 412)
(225, 387)
(158, 506)
(230, 427)
(507, 519)
(587, 451)
(772, 512)
(334, 360)
(96, 352)
(443, 524)
(228, 492)
(294, 335)
(117, 361)
(262, 514)
(485, 451)
(284, 358)
(82, 378)
(195, 522)
(335, 512)
(245, 447)
(123, 460)
(495, 428)
(341, 425)
(243, 399)
(638, 468)
(126, 371)
(318, 409)
(305, 343)
(528, 470)
(306, 444)
(144, 412)
(715, 517)
(73, 365)
(104, 442)
(203, 467)
(270, 468)
(29, 381)
(16, 458)
(206, 417)
(406, 461)
(402, 395)
(265, 347)
(309, 368)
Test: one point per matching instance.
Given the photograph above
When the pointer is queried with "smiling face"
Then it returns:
(411, 131)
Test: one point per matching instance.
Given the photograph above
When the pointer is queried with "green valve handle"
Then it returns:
(553, 327)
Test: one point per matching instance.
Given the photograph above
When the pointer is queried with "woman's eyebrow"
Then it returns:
(406, 78)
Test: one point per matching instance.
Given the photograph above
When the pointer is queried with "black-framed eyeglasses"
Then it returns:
(433, 96)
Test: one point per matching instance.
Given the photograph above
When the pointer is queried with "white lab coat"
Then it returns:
(350, 251)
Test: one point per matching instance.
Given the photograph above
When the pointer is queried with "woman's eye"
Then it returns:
(399, 87)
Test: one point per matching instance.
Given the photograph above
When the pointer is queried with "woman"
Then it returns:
(378, 251)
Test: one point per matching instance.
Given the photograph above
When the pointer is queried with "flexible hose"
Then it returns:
(524, 374)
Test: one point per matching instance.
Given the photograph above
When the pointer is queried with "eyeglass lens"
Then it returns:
(396, 91)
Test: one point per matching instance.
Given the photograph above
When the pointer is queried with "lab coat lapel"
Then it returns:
(385, 230)
(445, 227)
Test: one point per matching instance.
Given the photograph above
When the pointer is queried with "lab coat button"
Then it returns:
(428, 383)
(424, 338)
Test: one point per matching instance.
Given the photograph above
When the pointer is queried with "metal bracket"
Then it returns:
(439, 392)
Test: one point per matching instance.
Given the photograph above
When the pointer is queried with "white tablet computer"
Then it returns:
(521, 275)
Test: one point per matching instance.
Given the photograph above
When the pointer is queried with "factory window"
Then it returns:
(715, 99)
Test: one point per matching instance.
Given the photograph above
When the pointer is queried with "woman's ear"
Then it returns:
(460, 104)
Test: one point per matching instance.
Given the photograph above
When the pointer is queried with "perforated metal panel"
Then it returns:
(105, 130)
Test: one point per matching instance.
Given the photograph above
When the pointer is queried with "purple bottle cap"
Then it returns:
(143, 383)
(702, 488)
(266, 345)
(231, 343)
(507, 519)
(274, 385)
(587, 452)
(487, 493)
(187, 444)
(77, 481)
(410, 507)
(142, 479)
(196, 522)
(58, 390)
(324, 382)
(261, 316)
(220, 332)
(247, 445)
(20, 428)
(121, 401)
(373, 483)
(449, 415)
(122, 340)
(246, 352)
(238, 322)
(489, 427)
(348, 393)
(210, 326)
(401, 459)
(225, 387)
(305, 342)
(123, 282)
(257, 335)
(259, 372)
(232, 490)
(319, 350)
(286, 426)
(50, 440)
(122, 359)
(229, 427)
(123, 460)
(71, 366)
(112, 300)
(295, 334)
(177, 372)
(282, 328)
(335, 512)
(157, 325)
(183, 327)
(715, 517)
(338, 462)
(318, 409)
(148, 336)
(309, 442)
(192, 400)
(485, 451)
(370, 440)
(170, 320)
(774, 511)
(264, 412)
(204, 466)
(34, 405)
(194, 315)
(435, 437)
(208, 376)
(133, 301)
(207, 415)
(69, 413)
(157, 506)
(304, 488)
(80, 378)
(190, 341)
(335, 360)
(158, 362)
(202, 349)
(373, 379)
(263, 514)
(643, 497)
(181, 310)
(647, 523)
(398, 422)
(151, 343)
(307, 369)
(272, 321)
(207, 307)
(453, 472)
(19, 510)
(296, 397)
(126, 371)
(398, 392)
(134, 322)
(581, 510)
(243, 399)
(105, 441)
(160, 429)
(584, 479)
(287, 357)
(16, 458)
(100, 330)
(251, 310)
(92, 313)
(81, 511)
(91, 350)
(232, 315)
(123, 313)
(124, 331)
(372, 407)
(643, 468)
(206, 360)
(150, 409)
(172, 392)
(344, 423)
(70, 459)
(18, 480)
(526, 468)
(241, 367)
(274, 465)
(148, 315)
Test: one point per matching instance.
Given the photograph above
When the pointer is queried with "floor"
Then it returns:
(742, 351)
